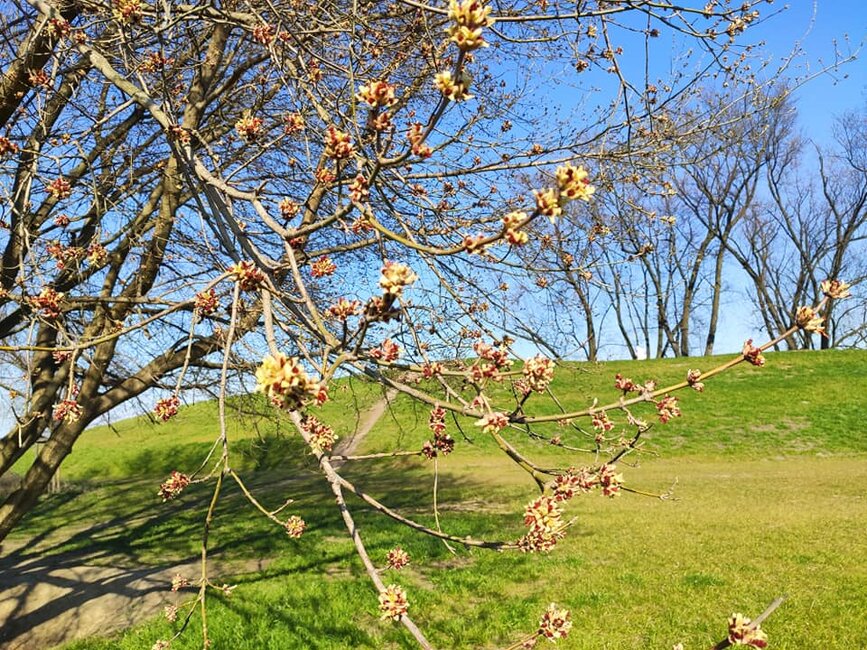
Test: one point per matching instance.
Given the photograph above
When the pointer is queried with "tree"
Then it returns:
(198, 193)
(811, 224)
(718, 188)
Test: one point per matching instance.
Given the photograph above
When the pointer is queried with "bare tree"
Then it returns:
(207, 192)
(813, 224)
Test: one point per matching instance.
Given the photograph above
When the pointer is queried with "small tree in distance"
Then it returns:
(210, 193)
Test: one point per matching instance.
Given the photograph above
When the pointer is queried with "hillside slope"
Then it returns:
(766, 468)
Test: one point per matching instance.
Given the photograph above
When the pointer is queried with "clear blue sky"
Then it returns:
(815, 25)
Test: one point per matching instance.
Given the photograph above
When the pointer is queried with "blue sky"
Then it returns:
(815, 25)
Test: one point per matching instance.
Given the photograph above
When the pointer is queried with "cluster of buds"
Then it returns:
(468, 19)
(179, 582)
(39, 78)
(626, 385)
(598, 230)
(324, 175)
(59, 188)
(743, 632)
(555, 623)
(293, 123)
(442, 443)
(493, 422)
(58, 28)
(397, 558)
(538, 372)
(128, 12)
(264, 34)
(359, 189)
(548, 203)
(338, 145)
(67, 410)
(753, 354)
(249, 128)
(809, 320)
(377, 94)
(154, 61)
(387, 352)
(511, 223)
(835, 289)
(63, 255)
(170, 489)
(248, 277)
(206, 303)
(7, 146)
(474, 244)
(544, 519)
(323, 267)
(48, 303)
(573, 183)
(167, 408)
(171, 613)
(392, 603)
(454, 88)
(295, 526)
(565, 486)
(415, 135)
(343, 309)
(430, 370)
(288, 208)
(96, 255)
(609, 480)
(361, 225)
(381, 121)
(394, 277)
(61, 356)
(692, 378)
(667, 408)
(601, 422)
(179, 134)
(498, 358)
(287, 385)
(322, 436)
(738, 24)
(314, 70)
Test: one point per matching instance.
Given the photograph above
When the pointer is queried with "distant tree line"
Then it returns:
(746, 195)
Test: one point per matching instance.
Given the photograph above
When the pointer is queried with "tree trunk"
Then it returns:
(35, 482)
(715, 302)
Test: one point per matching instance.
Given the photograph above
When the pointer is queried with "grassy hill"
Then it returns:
(767, 468)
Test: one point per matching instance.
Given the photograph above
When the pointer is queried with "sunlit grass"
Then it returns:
(766, 468)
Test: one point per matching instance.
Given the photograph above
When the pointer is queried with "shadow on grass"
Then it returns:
(117, 540)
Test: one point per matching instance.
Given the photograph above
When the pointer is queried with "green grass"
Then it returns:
(798, 403)
(768, 468)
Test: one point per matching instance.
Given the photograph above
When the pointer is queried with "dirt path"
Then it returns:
(51, 599)
(46, 603)
(48, 599)
(368, 420)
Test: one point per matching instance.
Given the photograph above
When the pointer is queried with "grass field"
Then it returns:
(769, 472)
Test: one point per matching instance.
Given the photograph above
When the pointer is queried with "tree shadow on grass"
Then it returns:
(100, 558)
